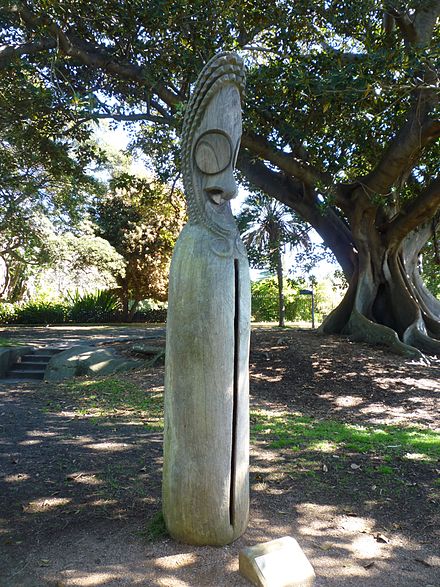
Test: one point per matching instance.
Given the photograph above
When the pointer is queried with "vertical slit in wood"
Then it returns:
(234, 395)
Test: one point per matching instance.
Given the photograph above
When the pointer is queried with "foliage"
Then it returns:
(268, 228)
(298, 307)
(99, 306)
(43, 172)
(95, 307)
(152, 316)
(141, 219)
(8, 342)
(265, 301)
(40, 312)
(430, 263)
(76, 260)
(341, 124)
(7, 313)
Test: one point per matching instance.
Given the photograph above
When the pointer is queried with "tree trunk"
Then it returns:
(386, 302)
(125, 301)
(132, 310)
(281, 306)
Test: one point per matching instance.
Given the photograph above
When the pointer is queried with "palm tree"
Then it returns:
(267, 228)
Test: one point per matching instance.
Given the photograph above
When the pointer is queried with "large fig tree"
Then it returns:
(341, 121)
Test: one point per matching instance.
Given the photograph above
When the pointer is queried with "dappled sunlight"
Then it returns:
(324, 446)
(30, 442)
(328, 467)
(367, 547)
(103, 502)
(87, 478)
(173, 582)
(44, 504)
(348, 401)
(414, 456)
(411, 382)
(272, 376)
(80, 439)
(88, 579)
(109, 446)
(16, 478)
(177, 560)
(352, 537)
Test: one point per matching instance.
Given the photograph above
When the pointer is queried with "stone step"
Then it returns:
(16, 373)
(49, 351)
(28, 366)
(32, 365)
(36, 358)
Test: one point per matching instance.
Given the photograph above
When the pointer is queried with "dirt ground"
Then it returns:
(79, 496)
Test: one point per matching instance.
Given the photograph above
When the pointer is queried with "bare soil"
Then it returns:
(80, 495)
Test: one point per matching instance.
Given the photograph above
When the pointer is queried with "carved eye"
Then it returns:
(213, 152)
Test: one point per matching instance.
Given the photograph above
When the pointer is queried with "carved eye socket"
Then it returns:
(213, 152)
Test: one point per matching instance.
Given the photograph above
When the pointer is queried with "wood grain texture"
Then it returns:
(200, 393)
(206, 441)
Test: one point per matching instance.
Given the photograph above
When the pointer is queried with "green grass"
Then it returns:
(7, 342)
(109, 397)
(298, 432)
(156, 529)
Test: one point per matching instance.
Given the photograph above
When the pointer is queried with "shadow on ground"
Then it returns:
(79, 495)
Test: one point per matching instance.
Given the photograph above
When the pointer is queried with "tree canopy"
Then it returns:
(267, 228)
(141, 219)
(341, 121)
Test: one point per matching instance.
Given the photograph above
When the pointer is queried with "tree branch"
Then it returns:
(401, 154)
(95, 56)
(297, 196)
(286, 162)
(417, 211)
(129, 118)
(417, 28)
(404, 23)
(10, 52)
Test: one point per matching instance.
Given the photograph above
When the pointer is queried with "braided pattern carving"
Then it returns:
(222, 69)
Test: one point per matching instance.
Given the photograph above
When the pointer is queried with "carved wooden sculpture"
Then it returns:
(206, 445)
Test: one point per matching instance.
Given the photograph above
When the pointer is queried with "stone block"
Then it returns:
(278, 563)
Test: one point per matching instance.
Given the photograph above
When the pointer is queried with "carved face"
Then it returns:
(215, 149)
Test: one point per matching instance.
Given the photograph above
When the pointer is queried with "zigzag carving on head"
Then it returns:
(222, 69)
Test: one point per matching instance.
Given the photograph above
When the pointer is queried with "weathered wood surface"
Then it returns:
(199, 466)
(206, 442)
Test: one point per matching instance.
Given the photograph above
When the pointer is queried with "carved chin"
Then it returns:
(220, 214)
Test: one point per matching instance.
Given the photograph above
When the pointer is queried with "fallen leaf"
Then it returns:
(368, 565)
(354, 466)
(381, 538)
(325, 468)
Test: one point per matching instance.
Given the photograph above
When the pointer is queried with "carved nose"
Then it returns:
(221, 187)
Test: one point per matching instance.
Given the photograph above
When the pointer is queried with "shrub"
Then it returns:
(151, 315)
(100, 306)
(265, 301)
(40, 312)
(7, 313)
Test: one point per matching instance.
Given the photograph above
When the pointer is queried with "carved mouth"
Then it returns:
(216, 197)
